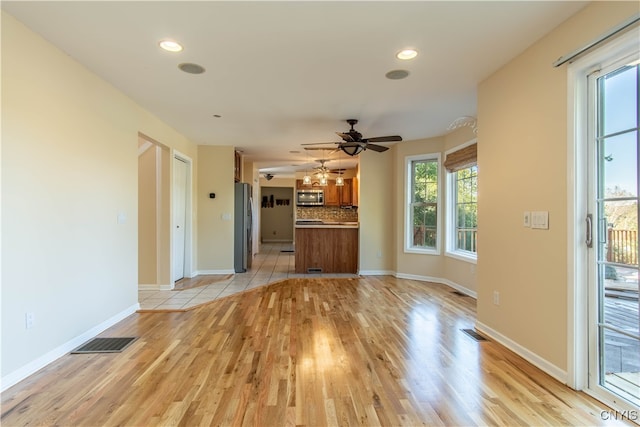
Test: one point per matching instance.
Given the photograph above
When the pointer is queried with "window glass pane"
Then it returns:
(423, 221)
(618, 100)
(424, 225)
(466, 209)
(619, 164)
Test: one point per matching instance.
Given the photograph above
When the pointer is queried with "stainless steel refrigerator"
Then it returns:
(242, 228)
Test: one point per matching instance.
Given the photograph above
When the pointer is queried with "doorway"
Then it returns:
(158, 218)
(612, 220)
(181, 225)
(276, 214)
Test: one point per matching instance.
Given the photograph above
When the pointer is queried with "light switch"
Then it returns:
(540, 220)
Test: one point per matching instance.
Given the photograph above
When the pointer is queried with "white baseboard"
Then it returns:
(157, 287)
(447, 282)
(42, 361)
(376, 273)
(534, 359)
(201, 272)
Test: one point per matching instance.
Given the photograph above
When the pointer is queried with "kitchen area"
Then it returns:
(322, 217)
(326, 226)
(315, 209)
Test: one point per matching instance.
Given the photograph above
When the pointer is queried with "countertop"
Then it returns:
(326, 224)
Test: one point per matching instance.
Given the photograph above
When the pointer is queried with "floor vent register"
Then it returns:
(473, 334)
(105, 345)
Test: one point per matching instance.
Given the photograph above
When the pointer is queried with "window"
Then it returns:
(462, 202)
(422, 231)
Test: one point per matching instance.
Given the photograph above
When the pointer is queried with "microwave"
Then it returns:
(310, 197)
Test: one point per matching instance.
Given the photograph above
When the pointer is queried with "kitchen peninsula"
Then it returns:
(326, 246)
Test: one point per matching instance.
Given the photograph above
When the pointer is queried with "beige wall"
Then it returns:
(376, 213)
(147, 214)
(215, 216)
(522, 146)
(69, 200)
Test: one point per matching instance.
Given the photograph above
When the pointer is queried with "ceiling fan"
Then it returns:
(353, 143)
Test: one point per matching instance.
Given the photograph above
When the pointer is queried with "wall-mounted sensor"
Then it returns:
(212, 195)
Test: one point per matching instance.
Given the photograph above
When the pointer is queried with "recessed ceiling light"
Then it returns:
(407, 54)
(397, 74)
(170, 45)
(190, 68)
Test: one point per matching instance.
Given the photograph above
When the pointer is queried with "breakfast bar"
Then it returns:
(326, 246)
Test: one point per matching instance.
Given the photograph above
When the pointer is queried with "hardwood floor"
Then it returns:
(307, 352)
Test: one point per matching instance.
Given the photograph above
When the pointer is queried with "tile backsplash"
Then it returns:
(327, 213)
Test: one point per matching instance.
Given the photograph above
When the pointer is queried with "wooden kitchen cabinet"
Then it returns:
(331, 194)
(349, 192)
(326, 250)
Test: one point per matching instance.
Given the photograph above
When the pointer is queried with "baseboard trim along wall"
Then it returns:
(201, 272)
(534, 359)
(376, 273)
(42, 361)
(447, 282)
(155, 287)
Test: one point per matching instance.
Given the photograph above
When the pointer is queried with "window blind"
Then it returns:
(462, 159)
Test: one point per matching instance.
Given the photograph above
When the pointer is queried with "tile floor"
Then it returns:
(268, 266)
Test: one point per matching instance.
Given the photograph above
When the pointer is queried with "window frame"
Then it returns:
(451, 240)
(408, 167)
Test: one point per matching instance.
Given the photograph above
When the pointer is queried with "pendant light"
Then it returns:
(306, 179)
(339, 179)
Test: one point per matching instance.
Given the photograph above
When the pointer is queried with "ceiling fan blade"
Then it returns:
(345, 136)
(321, 143)
(378, 148)
(384, 138)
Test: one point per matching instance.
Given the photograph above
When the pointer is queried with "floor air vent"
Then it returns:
(314, 270)
(104, 345)
(287, 251)
(473, 334)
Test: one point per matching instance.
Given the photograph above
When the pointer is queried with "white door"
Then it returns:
(179, 216)
(614, 325)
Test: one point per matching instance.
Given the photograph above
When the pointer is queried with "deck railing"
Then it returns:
(468, 239)
(622, 246)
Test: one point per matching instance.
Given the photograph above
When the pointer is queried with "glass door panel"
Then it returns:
(616, 317)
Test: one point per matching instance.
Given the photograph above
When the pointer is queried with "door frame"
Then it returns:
(188, 247)
(578, 120)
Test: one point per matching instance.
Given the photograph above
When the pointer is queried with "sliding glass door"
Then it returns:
(614, 335)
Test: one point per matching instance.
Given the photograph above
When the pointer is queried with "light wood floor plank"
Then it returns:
(303, 352)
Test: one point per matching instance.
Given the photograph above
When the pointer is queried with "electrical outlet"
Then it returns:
(496, 298)
(379, 254)
(29, 320)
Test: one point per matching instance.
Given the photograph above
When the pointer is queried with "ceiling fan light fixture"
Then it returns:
(406, 54)
(352, 149)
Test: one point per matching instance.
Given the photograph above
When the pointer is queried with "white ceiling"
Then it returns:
(285, 73)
